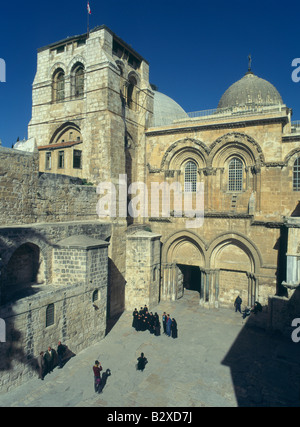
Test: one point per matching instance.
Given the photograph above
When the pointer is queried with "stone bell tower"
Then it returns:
(91, 104)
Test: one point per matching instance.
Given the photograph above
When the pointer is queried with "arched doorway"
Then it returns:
(182, 265)
(237, 263)
(22, 272)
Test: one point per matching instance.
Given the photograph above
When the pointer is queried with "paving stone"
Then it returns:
(215, 362)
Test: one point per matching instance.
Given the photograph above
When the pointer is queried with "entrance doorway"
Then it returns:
(191, 277)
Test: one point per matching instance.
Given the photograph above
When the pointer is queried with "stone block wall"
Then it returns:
(18, 186)
(76, 323)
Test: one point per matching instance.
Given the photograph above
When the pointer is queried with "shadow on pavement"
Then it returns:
(264, 367)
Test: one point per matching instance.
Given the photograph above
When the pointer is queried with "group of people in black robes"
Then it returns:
(145, 321)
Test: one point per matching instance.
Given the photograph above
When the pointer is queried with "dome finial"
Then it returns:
(249, 63)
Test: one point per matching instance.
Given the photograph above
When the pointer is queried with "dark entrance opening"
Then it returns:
(21, 272)
(191, 277)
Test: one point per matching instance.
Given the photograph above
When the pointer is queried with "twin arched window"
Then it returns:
(77, 83)
(235, 176)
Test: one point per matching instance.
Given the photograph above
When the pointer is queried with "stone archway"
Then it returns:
(236, 262)
(22, 271)
(183, 262)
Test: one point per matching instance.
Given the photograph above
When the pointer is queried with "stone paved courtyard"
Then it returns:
(218, 360)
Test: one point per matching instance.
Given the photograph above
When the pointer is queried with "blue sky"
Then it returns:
(195, 49)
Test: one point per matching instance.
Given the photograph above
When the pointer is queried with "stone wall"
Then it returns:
(78, 293)
(30, 197)
(77, 324)
(18, 186)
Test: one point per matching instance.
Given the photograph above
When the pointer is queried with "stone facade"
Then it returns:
(96, 119)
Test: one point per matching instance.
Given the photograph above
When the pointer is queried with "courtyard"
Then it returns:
(218, 360)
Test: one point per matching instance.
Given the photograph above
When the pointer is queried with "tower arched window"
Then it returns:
(296, 175)
(50, 315)
(190, 177)
(78, 80)
(235, 175)
(58, 85)
(132, 93)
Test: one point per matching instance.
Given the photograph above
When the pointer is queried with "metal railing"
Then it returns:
(224, 113)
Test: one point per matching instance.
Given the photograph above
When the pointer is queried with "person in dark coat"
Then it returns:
(156, 325)
(151, 323)
(61, 349)
(49, 358)
(168, 325)
(41, 365)
(142, 361)
(257, 307)
(237, 303)
(135, 319)
(174, 330)
(97, 368)
(164, 320)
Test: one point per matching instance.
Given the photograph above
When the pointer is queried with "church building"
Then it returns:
(98, 121)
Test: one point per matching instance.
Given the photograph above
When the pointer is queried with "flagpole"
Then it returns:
(88, 17)
(88, 22)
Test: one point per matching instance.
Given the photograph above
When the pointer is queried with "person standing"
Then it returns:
(164, 320)
(135, 319)
(174, 330)
(168, 325)
(60, 353)
(97, 368)
(41, 365)
(237, 303)
(49, 360)
(157, 325)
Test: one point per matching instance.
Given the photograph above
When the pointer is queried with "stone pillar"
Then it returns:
(209, 288)
(142, 259)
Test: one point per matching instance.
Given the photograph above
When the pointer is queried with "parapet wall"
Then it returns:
(28, 196)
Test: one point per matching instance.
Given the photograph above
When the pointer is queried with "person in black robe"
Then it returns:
(156, 325)
(142, 361)
(174, 330)
(135, 318)
(144, 323)
(164, 320)
(139, 323)
(151, 323)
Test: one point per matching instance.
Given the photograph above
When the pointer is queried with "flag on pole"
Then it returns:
(88, 8)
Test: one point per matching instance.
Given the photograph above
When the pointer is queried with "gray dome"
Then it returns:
(166, 110)
(250, 90)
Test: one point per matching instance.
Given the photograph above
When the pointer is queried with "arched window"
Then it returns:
(58, 85)
(235, 175)
(296, 175)
(190, 177)
(131, 93)
(50, 315)
(78, 81)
